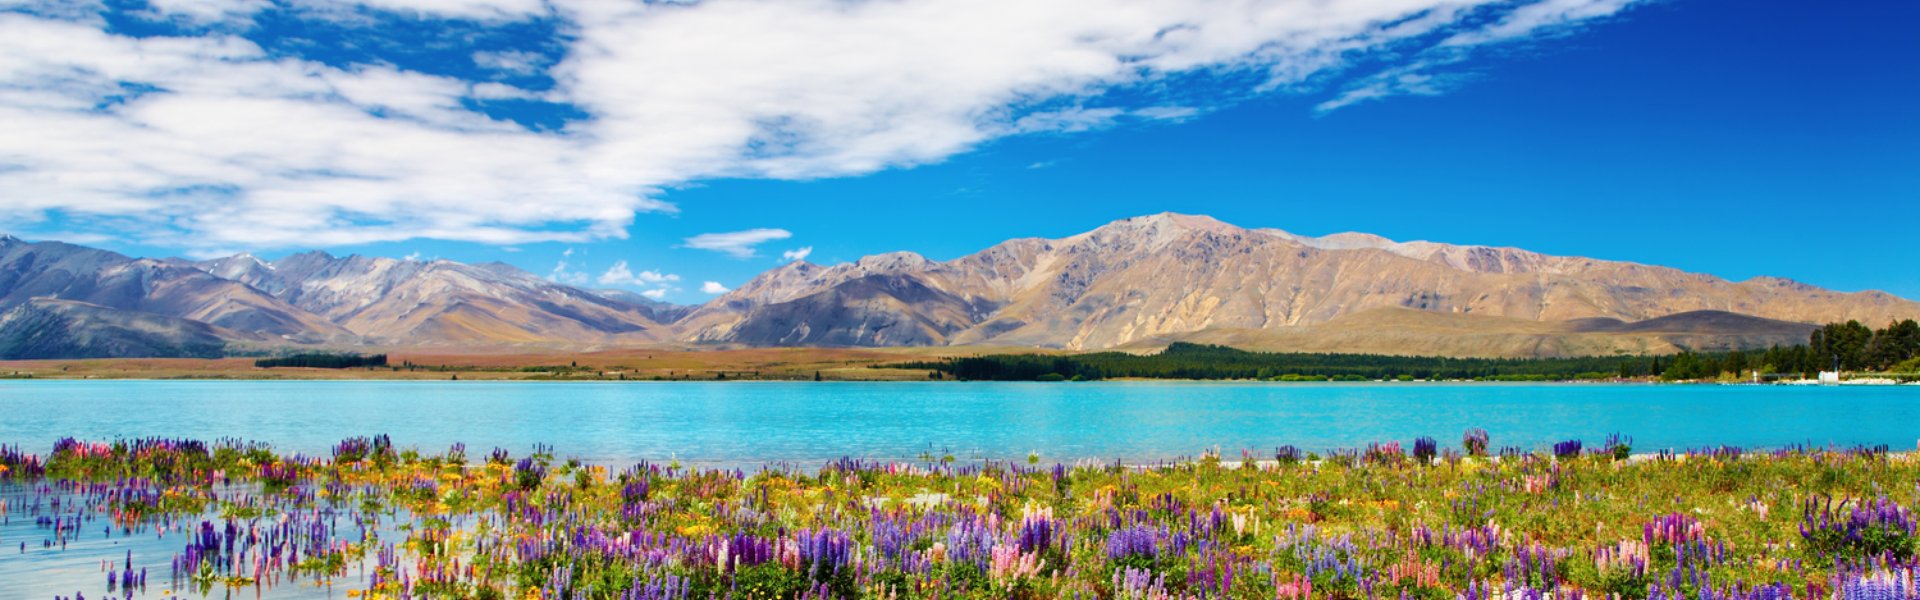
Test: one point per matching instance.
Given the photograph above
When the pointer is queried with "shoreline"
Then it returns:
(321, 375)
(480, 378)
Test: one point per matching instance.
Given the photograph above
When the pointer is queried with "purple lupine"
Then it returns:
(1866, 529)
(1895, 584)
(1036, 532)
(824, 553)
(1139, 540)
(1567, 449)
(1425, 448)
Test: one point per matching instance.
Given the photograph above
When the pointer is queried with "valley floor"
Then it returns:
(782, 364)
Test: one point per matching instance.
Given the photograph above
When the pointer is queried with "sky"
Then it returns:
(677, 149)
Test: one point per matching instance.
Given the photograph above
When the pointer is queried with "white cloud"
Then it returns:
(415, 255)
(516, 62)
(656, 293)
(620, 274)
(207, 11)
(738, 244)
(713, 287)
(1166, 113)
(800, 253)
(1418, 77)
(213, 142)
(483, 10)
(564, 273)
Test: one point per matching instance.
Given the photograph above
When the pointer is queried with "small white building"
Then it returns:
(1829, 377)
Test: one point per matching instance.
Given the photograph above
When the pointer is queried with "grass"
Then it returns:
(788, 364)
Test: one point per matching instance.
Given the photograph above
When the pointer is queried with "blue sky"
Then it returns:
(1737, 138)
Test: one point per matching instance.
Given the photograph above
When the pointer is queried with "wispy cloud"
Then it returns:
(564, 273)
(513, 62)
(158, 139)
(738, 244)
(800, 253)
(713, 287)
(1422, 75)
(621, 274)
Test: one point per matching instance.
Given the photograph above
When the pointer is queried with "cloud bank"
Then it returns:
(213, 136)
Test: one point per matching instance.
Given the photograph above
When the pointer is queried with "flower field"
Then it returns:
(1430, 520)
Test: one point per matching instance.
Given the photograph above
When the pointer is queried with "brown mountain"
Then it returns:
(1136, 283)
(311, 299)
(1150, 279)
(440, 302)
(53, 270)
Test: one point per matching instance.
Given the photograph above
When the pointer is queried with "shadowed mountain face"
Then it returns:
(1134, 283)
(69, 329)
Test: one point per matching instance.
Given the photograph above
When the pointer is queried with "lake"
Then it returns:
(748, 424)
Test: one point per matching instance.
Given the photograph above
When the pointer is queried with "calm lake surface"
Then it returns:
(747, 424)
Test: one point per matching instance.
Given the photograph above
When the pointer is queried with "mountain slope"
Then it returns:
(67, 272)
(1166, 276)
(44, 328)
(1409, 332)
(440, 302)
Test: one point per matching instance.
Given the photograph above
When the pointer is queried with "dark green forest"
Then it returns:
(1853, 346)
(324, 361)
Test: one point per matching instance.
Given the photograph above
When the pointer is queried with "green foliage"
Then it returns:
(1688, 365)
(323, 361)
(1856, 347)
(767, 580)
(1195, 361)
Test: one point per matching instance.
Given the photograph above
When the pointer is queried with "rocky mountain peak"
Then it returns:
(1148, 233)
(892, 262)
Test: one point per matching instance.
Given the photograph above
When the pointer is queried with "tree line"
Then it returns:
(324, 361)
(1853, 346)
(1199, 361)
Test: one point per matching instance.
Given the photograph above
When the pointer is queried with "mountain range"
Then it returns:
(1132, 284)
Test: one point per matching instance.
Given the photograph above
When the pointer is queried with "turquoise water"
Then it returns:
(746, 424)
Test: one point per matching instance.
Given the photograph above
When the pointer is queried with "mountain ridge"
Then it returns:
(1128, 284)
(1161, 275)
